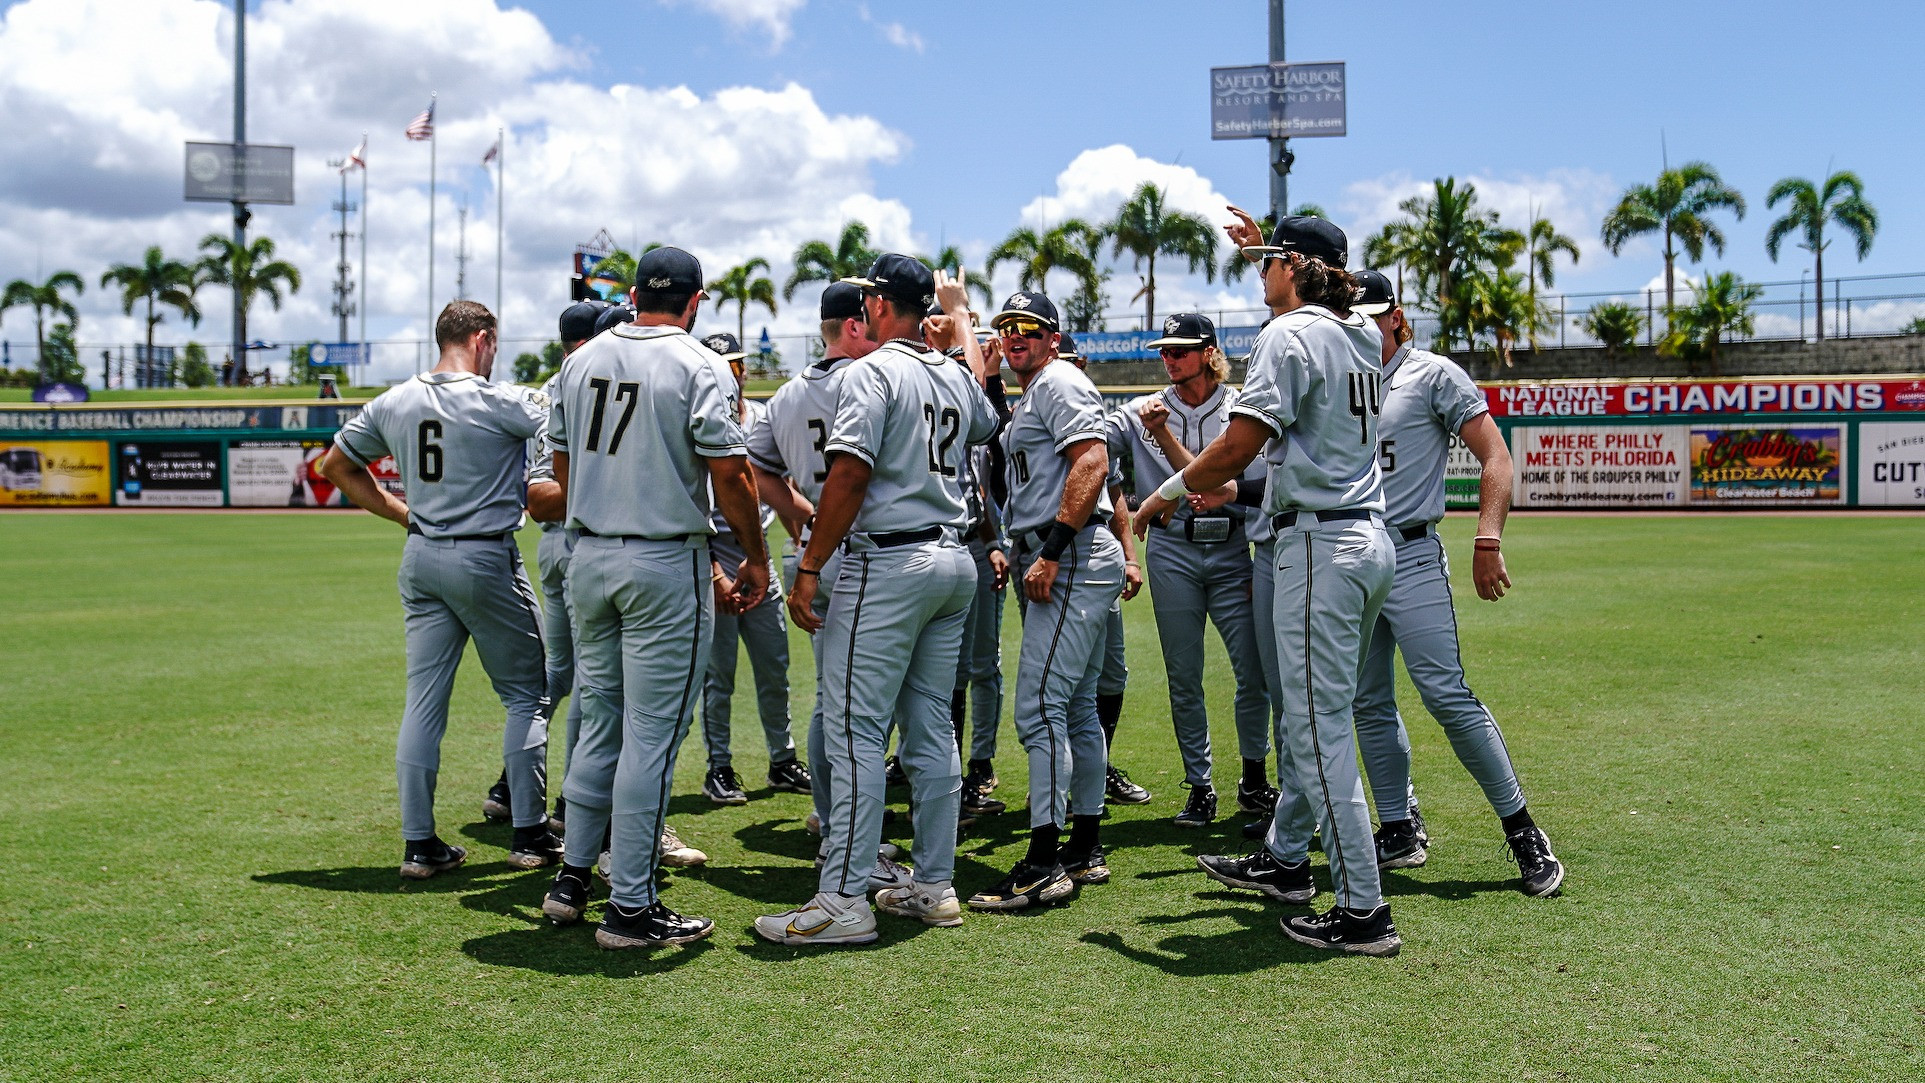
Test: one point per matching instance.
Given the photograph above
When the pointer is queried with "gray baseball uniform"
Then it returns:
(979, 667)
(639, 411)
(1198, 567)
(1427, 400)
(458, 443)
(552, 553)
(1063, 638)
(1115, 678)
(895, 619)
(764, 630)
(1315, 382)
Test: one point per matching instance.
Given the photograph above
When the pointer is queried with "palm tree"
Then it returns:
(1063, 248)
(1679, 206)
(1146, 228)
(1841, 200)
(1542, 243)
(1235, 266)
(819, 261)
(1444, 236)
(1499, 304)
(1615, 324)
(740, 285)
(1720, 307)
(253, 272)
(1085, 305)
(157, 279)
(43, 298)
(951, 259)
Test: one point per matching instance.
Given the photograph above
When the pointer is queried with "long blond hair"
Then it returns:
(1218, 364)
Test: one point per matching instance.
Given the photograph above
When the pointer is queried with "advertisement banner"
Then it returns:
(1891, 464)
(1236, 342)
(169, 474)
(279, 474)
(55, 473)
(1278, 101)
(388, 475)
(1643, 398)
(1463, 476)
(1576, 466)
(1737, 467)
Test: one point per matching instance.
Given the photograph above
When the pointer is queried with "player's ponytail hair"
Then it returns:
(1318, 283)
(1218, 364)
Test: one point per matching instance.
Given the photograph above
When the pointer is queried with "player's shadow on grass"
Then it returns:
(571, 951)
(778, 838)
(1400, 883)
(1258, 945)
(774, 885)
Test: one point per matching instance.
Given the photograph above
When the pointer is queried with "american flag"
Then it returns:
(422, 127)
(358, 157)
(493, 153)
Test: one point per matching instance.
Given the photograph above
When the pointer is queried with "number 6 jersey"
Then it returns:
(636, 410)
(912, 415)
(1316, 382)
(458, 443)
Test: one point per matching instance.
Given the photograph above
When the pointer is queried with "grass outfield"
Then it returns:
(1717, 720)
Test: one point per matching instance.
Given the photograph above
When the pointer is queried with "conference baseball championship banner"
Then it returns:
(279, 474)
(1580, 466)
(1891, 464)
(1738, 467)
(1634, 398)
(55, 473)
(169, 474)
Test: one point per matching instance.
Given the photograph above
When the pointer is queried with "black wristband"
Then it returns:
(1057, 537)
(800, 572)
(1250, 492)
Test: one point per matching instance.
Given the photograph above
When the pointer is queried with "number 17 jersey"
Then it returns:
(912, 415)
(636, 410)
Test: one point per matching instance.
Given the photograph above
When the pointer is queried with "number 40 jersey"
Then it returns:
(636, 410)
(912, 415)
(458, 442)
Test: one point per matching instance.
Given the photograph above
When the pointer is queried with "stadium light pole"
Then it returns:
(1280, 156)
(240, 205)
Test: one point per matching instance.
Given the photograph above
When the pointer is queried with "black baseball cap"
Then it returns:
(842, 301)
(1066, 349)
(1186, 329)
(668, 271)
(725, 344)
(578, 320)
(1026, 305)
(1377, 296)
(901, 278)
(612, 316)
(1318, 238)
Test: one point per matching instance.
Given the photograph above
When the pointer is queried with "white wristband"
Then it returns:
(1174, 489)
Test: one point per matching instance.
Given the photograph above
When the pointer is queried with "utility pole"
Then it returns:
(343, 285)
(501, 229)
(461, 257)
(241, 214)
(363, 338)
(1281, 158)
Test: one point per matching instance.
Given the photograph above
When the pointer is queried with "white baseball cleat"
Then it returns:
(889, 873)
(677, 854)
(932, 904)
(824, 921)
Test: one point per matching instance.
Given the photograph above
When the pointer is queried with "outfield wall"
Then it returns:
(1820, 442)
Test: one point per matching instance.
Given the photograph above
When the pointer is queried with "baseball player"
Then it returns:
(904, 422)
(1428, 400)
(1199, 564)
(1310, 404)
(763, 630)
(1072, 574)
(457, 441)
(643, 430)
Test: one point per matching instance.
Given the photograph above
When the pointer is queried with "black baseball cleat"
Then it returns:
(1260, 798)
(567, 898)
(1542, 872)
(1026, 885)
(892, 773)
(1343, 929)
(1085, 868)
(534, 847)
(1258, 828)
(423, 858)
(975, 797)
(1260, 871)
(790, 777)
(1200, 809)
(558, 819)
(494, 807)
(1417, 825)
(1118, 789)
(722, 787)
(651, 926)
(1398, 846)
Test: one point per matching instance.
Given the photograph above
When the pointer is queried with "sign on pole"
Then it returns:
(245, 173)
(337, 353)
(1278, 101)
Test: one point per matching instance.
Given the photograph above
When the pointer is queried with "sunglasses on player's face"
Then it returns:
(1177, 353)
(1028, 329)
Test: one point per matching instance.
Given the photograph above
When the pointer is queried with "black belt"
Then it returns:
(413, 529)
(1412, 533)
(892, 539)
(679, 539)
(1284, 520)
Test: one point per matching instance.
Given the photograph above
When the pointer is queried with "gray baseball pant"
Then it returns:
(1292, 823)
(819, 780)
(452, 591)
(1418, 618)
(1115, 676)
(889, 647)
(764, 630)
(1056, 677)
(979, 667)
(552, 553)
(644, 619)
(1188, 582)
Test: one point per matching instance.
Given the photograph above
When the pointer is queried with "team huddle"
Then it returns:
(1297, 515)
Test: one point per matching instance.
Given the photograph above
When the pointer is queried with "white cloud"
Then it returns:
(895, 34)
(1097, 181)
(774, 17)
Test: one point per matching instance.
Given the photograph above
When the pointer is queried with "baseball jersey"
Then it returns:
(1316, 381)
(541, 461)
(1060, 407)
(911, 414)
(1428, 398)
(637, 410)
(752, 415)
(1193, 427)
(459, 444)
(791, 436)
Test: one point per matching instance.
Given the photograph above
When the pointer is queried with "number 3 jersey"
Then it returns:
(1316, 382)
(912, 415)
(637, 410)
(458, 443)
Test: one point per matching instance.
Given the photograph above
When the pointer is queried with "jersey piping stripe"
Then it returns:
(848, 732)
(679, 726)
(1042, 687)
(1457, 652)
(1335, 849)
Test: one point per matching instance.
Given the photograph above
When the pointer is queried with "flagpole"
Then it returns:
(364, 257)
(501, 231)
(432, 150)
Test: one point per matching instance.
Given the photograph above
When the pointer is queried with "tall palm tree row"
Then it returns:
(156, 279)
(1146, 227)
(44, 297)
(820, 261)
(253, 272)
(1808, 209)
(741, 286)
(1678, 206)
(1064, 247)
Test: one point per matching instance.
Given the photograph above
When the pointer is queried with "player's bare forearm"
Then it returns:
(1172, 448)
(735, 497)
(1226, 458)
(359, 486)
(842, 494)
(953, 295)
(789, 506)
(1486, 441)
(1089, 469)
(1120, 522)
(547, 501)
